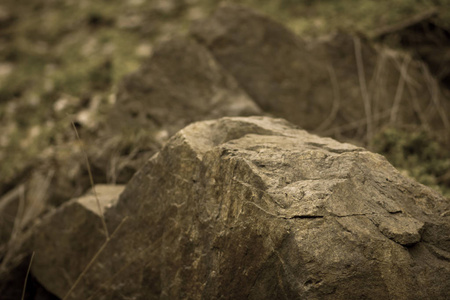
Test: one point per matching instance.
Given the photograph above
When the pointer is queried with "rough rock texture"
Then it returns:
(338, 86)
(255, 208)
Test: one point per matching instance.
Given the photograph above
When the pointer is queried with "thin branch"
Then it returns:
(433, 88)
(336, 100)
(417, 109)
(356, 124)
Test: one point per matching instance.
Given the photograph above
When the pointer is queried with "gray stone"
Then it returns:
(255, 208)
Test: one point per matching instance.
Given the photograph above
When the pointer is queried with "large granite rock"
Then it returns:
(255, 208)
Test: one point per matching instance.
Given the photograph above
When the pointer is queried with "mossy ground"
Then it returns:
(62, 60)
(418, 155)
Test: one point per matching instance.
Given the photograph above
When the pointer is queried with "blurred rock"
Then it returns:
(341, 86)
(181, 83)
(270, 62)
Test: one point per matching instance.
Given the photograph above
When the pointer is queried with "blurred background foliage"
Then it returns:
(62, 59)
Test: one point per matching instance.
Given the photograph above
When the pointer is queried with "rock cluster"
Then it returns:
(241, 207)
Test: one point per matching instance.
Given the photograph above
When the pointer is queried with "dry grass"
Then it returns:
(91, 179)
(26, 277)
(94, 258)
(364, 92)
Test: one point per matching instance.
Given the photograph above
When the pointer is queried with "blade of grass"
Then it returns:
(363, 87)
(26, 277)
(94, 258)
(91, 178)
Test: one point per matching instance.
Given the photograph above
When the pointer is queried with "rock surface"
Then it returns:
(255, 208)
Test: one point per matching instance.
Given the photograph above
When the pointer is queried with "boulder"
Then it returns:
(255, 208)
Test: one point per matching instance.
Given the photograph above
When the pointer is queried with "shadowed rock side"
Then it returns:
(255, 208)
(340, 86)
(68, 238)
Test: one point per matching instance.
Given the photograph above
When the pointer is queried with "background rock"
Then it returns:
(63, 242)
(69, 237)
(340, 86)
(254, 208)
(181, 83)
(270, 62)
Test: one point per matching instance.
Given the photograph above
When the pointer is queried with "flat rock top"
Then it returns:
(287, 160)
